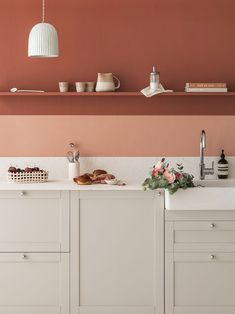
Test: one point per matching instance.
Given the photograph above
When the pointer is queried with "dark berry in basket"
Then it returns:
(28, 169)
(12, 169)
(18, 170)
(35, 169)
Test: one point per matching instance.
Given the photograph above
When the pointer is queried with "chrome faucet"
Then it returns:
(203, 170)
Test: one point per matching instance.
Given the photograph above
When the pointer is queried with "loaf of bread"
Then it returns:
(98, 172)
(100, 179)
(83, 180)
(97, 177)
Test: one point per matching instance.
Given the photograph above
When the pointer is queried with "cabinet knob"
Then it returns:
(212, 226)
(159, 193)
(212, 256)
(24, 256)
(22, 193)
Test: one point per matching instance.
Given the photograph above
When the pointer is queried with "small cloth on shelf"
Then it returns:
(149, 92)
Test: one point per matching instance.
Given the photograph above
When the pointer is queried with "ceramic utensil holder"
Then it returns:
(74, 170)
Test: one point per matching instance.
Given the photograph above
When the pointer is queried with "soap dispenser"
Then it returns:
(222, 167)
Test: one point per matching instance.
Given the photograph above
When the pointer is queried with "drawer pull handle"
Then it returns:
(212, 226)
(24, 256)
(22, 193)
(212, 256)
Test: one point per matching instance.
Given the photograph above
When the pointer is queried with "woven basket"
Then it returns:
(28, 177)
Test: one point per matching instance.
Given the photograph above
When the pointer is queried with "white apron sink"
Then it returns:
(209, 195)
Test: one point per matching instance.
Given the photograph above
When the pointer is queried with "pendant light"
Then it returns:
(43, 39)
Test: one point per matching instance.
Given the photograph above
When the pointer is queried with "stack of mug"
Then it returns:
(105, 83)
(85, 87)
(80, 87)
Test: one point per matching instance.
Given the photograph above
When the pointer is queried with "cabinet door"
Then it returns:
(200, 283)
(34, 283)
(118, 260)
(34, 221)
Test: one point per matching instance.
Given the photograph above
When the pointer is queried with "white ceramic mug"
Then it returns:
(80, 87)
(64, 87)
(90, 87)
(105, 82)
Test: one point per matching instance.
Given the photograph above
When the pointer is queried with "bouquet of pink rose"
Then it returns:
(163, 177)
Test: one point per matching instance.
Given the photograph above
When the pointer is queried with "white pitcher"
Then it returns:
(105, 82)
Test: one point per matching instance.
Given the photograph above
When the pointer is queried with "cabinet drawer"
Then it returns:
(34, 221)
(34, 283)
(200, 236)
(196, 283)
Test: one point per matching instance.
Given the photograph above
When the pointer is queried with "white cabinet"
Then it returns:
(34, 234)
(118, 250)
(200, 262)
(34, 283)
(34, 221)
(200, 236)
(200, 283)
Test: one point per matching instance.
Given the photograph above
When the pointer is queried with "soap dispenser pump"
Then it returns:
(222, 167)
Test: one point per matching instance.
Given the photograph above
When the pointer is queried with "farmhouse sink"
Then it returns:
(208, 195)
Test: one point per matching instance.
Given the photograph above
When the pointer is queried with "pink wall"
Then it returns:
(115, 136)
(187, 40)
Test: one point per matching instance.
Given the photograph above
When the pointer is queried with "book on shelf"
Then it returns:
(206, 90)
(206, 85)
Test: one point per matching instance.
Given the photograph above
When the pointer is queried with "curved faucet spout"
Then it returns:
(203, 139)
(203, 170)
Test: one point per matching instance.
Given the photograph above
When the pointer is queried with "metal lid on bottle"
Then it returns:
(154, 71)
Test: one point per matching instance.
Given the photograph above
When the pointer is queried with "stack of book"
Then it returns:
(206, 87)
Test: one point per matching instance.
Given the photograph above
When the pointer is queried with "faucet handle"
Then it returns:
(211, 170)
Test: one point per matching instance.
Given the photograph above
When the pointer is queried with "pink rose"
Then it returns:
(178, 176)
(159, 167)
(154, 172)
(169, 176)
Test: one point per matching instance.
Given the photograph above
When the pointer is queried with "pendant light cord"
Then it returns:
(43, 11)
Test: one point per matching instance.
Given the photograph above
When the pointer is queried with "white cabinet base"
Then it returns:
(34, 221)
(117, 252)
(200, 283)
(34, 283)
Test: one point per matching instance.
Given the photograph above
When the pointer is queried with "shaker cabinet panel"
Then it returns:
(117, 253)
(200, 236)
(34, 283)
(200, 283)
(34, 221)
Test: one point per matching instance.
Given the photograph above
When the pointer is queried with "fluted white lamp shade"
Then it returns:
(43, 41)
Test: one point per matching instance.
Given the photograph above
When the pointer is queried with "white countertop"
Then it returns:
(68, 185)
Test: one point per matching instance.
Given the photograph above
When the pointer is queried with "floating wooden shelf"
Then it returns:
(116, 103)
(113, 94)
(70, 94)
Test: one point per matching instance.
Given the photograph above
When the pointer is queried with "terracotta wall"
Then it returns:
(115, 136)
(186, 40)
